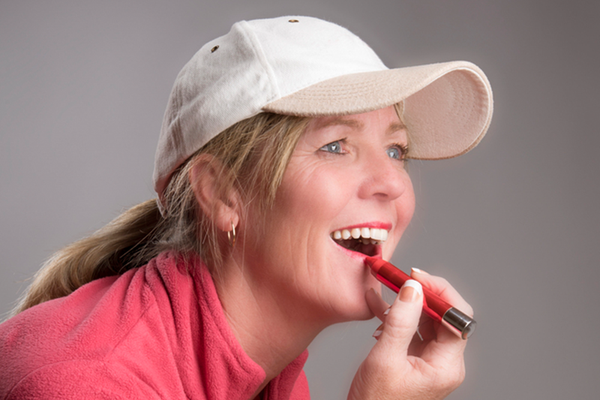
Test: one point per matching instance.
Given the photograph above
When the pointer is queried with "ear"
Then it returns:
(222, 208)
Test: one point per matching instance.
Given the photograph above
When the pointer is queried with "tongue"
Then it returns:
(368, 249)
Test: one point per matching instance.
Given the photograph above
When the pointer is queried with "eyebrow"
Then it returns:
(394, 126)
(340, 121)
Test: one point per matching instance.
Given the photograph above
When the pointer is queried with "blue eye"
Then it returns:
(333, 147)
(394, 153)
(397, 152)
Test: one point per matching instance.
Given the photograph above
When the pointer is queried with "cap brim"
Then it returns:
(447, 107)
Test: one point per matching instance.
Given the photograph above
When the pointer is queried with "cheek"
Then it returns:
(311, 195)
(297, 223)
(301, 220)
(406, 205)
(405, 208)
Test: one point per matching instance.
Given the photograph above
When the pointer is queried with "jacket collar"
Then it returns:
(210, 359)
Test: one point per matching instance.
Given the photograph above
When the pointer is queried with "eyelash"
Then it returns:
(338, 142)
(403, 149)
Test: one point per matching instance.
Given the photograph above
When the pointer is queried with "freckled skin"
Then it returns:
(287, 279)
(326, 188)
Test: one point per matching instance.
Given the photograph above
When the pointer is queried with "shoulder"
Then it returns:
(71, 338)
(80, 379)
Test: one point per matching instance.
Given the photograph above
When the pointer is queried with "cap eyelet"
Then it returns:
(293, 21)
(214, 49)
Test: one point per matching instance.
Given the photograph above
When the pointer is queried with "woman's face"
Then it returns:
(346, 173)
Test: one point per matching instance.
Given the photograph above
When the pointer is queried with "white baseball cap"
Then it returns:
(309, 67)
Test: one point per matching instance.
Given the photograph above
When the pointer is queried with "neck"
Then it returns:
(270, 330)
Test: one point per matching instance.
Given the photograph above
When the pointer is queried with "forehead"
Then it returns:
(386, 118)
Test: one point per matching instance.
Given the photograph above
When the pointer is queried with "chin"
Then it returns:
(354, 307)
(359, 313)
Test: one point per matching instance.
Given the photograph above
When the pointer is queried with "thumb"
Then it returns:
(401, 323)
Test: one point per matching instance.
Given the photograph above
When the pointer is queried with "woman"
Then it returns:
(280, 167)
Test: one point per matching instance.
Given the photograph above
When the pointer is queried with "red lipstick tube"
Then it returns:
(452, 318)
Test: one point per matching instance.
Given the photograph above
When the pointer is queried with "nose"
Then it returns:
(384, 179)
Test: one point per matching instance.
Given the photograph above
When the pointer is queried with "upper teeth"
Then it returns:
(375, 235)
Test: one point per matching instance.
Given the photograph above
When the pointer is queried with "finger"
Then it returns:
(442, 288)
(376, 303)
(402, 321)
(448, 347)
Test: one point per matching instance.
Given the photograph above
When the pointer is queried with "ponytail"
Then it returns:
(255, 152)
(121, 245)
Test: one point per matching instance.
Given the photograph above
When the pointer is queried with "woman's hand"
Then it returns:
(400, 365)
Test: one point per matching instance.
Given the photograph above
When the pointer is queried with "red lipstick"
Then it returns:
(451, 317)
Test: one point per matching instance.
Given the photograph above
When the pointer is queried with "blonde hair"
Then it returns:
(253, 153)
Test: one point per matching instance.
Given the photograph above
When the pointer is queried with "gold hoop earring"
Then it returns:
(231, 235)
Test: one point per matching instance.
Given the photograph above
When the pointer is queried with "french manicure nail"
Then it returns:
(420, 271)
(378, 331)
(410, 291)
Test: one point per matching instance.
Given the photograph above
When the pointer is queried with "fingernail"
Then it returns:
(419, 333)
(419, 271)
(378, 331)
(386, 312)
(410, 291)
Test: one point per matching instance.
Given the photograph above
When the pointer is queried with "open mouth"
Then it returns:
(367, 241)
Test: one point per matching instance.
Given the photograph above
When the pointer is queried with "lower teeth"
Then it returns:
(352, 244)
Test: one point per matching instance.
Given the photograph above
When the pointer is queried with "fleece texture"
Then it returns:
(155, 332)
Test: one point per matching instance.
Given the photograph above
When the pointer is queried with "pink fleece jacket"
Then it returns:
(156, 332)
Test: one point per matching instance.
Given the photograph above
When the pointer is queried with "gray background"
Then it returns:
(513, 224)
